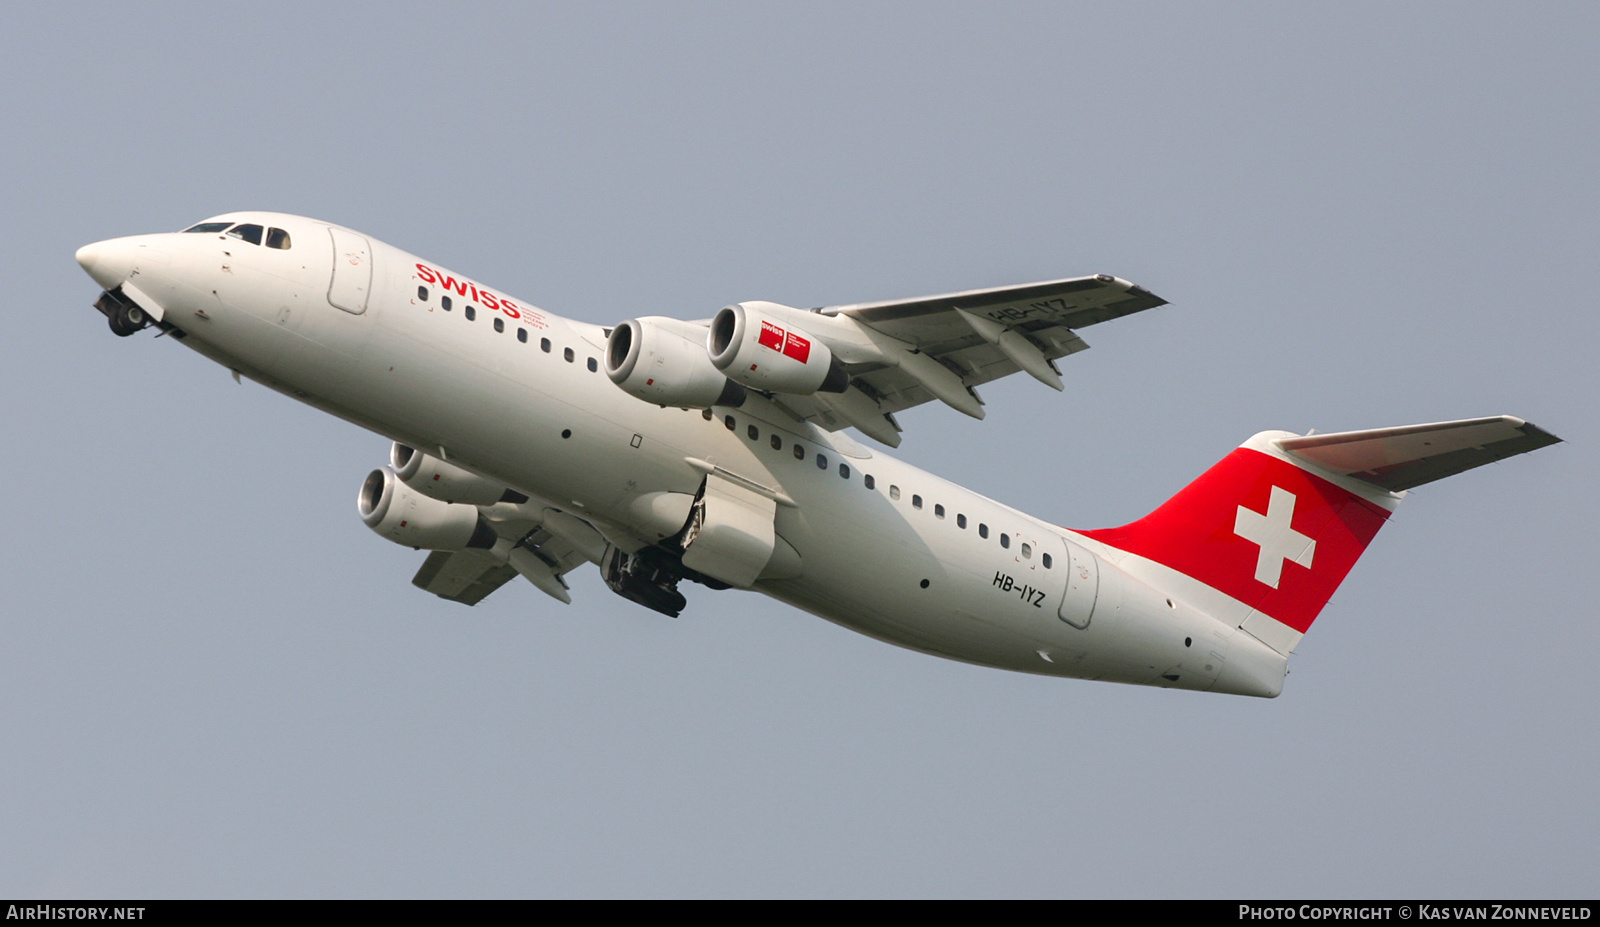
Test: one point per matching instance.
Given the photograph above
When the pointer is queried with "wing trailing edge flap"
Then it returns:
(902, 353)
(464, 576)
(835, 412)
(1398, 459)
(558, 543)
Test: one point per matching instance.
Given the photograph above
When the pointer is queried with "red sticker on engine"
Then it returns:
(771, 336)
(797, 347)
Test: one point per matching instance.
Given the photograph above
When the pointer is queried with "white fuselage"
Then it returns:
(905, 561)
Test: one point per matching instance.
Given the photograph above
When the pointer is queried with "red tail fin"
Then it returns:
(1277, 524)
(1262, 529)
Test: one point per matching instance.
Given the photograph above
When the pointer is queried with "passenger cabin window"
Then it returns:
(522, 335)
(729, 421)
(278, 238)
(916, 502)
(983, 530)
(544, 343)
(593, 366)
(777, 443)
(822, 462)
(499, 324)
(753, 432)
(1005, 540)
(1046, 559)
(567, 353)
(961, 521)
(250, 233)
(844, 471)
(1027, 552)
(894, 492)
(471, 312)
(208, 227)
(867, 478)
(444, 303)
(422, 293)
(938, 511)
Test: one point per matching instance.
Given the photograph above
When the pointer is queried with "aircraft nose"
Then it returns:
(108, 262)
(88, 256)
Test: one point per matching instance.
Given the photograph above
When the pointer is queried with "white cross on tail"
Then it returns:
(1273, 533)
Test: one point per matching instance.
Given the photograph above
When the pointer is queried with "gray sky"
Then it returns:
(217, 682)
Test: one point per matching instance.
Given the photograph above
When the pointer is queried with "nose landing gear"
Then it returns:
(128, 320)
(123, 315)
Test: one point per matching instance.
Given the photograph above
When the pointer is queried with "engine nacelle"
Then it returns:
(663, 361)
(754, 349)
(445, 481)
(407, 517)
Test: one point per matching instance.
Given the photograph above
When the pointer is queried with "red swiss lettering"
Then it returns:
(771, 336)
(462, 287)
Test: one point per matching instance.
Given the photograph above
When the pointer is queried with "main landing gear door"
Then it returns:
(352, 271)
(730, 535)
(1083, 586)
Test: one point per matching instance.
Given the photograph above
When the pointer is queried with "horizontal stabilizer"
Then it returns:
(1397, 459)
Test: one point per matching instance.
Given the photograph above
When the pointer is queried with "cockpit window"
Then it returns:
(278, 238)
(250, 233)
(208, 227)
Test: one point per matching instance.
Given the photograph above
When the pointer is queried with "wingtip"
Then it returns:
(1545, 438)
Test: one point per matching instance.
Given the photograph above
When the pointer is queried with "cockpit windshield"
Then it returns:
(249, 232)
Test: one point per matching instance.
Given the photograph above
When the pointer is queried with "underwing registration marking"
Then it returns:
(1051, 308)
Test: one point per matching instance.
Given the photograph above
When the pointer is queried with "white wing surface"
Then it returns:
(543, 552)
(464, 576)
(906, 352)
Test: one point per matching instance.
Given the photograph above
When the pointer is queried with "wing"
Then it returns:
(540, 549)
(1072, 303)
(464, 576)
(939, 347)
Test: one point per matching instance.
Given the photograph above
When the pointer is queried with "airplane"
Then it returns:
(715, 451)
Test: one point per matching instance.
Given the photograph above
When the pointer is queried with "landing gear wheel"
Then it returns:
(127, 320)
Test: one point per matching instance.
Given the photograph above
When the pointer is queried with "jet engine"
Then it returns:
(663, 361)
(445, 481)
(752, 348)
(407, 517)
